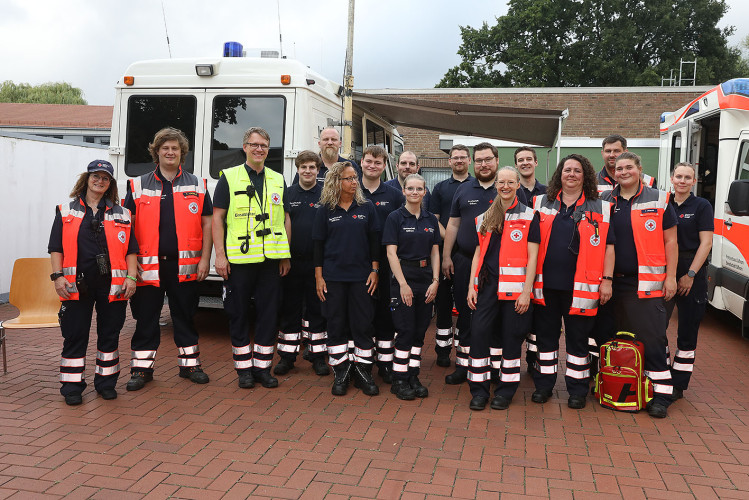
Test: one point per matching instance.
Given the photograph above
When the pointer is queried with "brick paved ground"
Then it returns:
(174, 439)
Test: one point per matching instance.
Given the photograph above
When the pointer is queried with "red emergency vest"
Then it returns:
(605, 184)
(117, 233)
(189, 193)
(513, 251)
(593, 229)
(648, 206)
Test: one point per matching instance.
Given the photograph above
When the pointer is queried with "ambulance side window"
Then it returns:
(232, 115)
(743, 167)
(146, 115)
(675, 150)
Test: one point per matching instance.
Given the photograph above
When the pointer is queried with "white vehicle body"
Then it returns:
(215, 100)
(712, 132)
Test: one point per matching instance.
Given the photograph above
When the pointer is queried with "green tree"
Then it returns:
(46, 93)
(567, 43)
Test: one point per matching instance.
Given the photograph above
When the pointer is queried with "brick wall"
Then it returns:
(592, 114)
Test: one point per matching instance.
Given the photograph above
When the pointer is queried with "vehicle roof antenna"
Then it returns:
(168, 46)
(280, 38)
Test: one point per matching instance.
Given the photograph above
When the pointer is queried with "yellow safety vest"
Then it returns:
(250, 237)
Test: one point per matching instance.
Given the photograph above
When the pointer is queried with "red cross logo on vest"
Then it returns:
(650, 225)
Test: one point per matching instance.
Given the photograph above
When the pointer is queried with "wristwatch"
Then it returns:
(691, 273)
(56, 275)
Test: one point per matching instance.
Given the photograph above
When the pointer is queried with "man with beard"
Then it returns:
(330, 144)
(471, 199)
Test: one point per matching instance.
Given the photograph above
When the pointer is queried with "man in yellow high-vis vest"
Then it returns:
(251, 230)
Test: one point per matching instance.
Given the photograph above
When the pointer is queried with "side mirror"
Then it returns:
(738, 198)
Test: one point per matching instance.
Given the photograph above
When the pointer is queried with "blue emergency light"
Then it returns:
(232, 49)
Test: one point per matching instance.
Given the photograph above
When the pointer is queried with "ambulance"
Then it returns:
(712, 132)
(215, 100)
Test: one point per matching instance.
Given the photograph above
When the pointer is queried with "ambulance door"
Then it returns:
(735, 234)
(679, 138)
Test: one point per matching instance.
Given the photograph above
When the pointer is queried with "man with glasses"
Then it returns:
(471, 199)
(171, 213)
(250, 233)
(385, 199)
(439, 205)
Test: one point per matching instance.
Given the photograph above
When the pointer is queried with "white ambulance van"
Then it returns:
(712, 132)
(215, 100)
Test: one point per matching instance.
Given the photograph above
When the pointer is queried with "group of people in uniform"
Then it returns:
(349, 270)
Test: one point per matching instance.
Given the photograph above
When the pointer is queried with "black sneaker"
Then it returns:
(73, 399)
(478, 403)
(540, 396)
(320, 367)
(195, 374)
(108, 394)
(246, 380)
(500, 403)
(283, 367)
(266, 379)
(138, 380)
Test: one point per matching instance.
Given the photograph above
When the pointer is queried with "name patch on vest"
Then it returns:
(193, 207)
(189, 193)
(649, 211)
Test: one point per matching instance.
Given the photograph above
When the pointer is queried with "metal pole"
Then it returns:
(348, 85)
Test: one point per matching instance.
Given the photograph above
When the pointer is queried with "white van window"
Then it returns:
(232, 116)
(148, 114)
(675, 150)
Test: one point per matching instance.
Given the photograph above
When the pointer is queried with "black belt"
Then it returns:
(416, 263)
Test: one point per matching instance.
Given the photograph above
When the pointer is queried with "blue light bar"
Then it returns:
(232, 49)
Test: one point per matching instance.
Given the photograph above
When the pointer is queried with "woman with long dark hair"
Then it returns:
(575, 264)
(94, 264)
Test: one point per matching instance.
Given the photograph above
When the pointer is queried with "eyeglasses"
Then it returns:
(459, 158)
(484, 161)
(255, 145)
(353, 178)
(101, 178)
(412, 189)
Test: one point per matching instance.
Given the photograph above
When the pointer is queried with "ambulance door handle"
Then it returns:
(728, 223)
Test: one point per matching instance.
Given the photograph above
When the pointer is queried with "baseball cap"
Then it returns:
(101, 166)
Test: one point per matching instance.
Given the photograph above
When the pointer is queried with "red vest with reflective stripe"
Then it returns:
(589, 267)
(189, 193)
(513, 251)
(117, 233)
(648, 206)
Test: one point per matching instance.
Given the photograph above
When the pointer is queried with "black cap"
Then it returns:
(101, 166)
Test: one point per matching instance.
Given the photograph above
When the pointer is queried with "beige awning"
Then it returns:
(525, 125)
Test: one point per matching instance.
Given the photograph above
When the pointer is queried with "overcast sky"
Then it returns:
(397, 43)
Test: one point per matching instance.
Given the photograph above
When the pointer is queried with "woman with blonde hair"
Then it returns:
(346, 259)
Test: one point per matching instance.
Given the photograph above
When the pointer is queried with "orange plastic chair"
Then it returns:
(34, 296)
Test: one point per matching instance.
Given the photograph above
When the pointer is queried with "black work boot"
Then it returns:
(341, 381)
(363, 379)
(419, 390)
(457, 377)
(284, 366)
(402, 390)
(385, 372)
